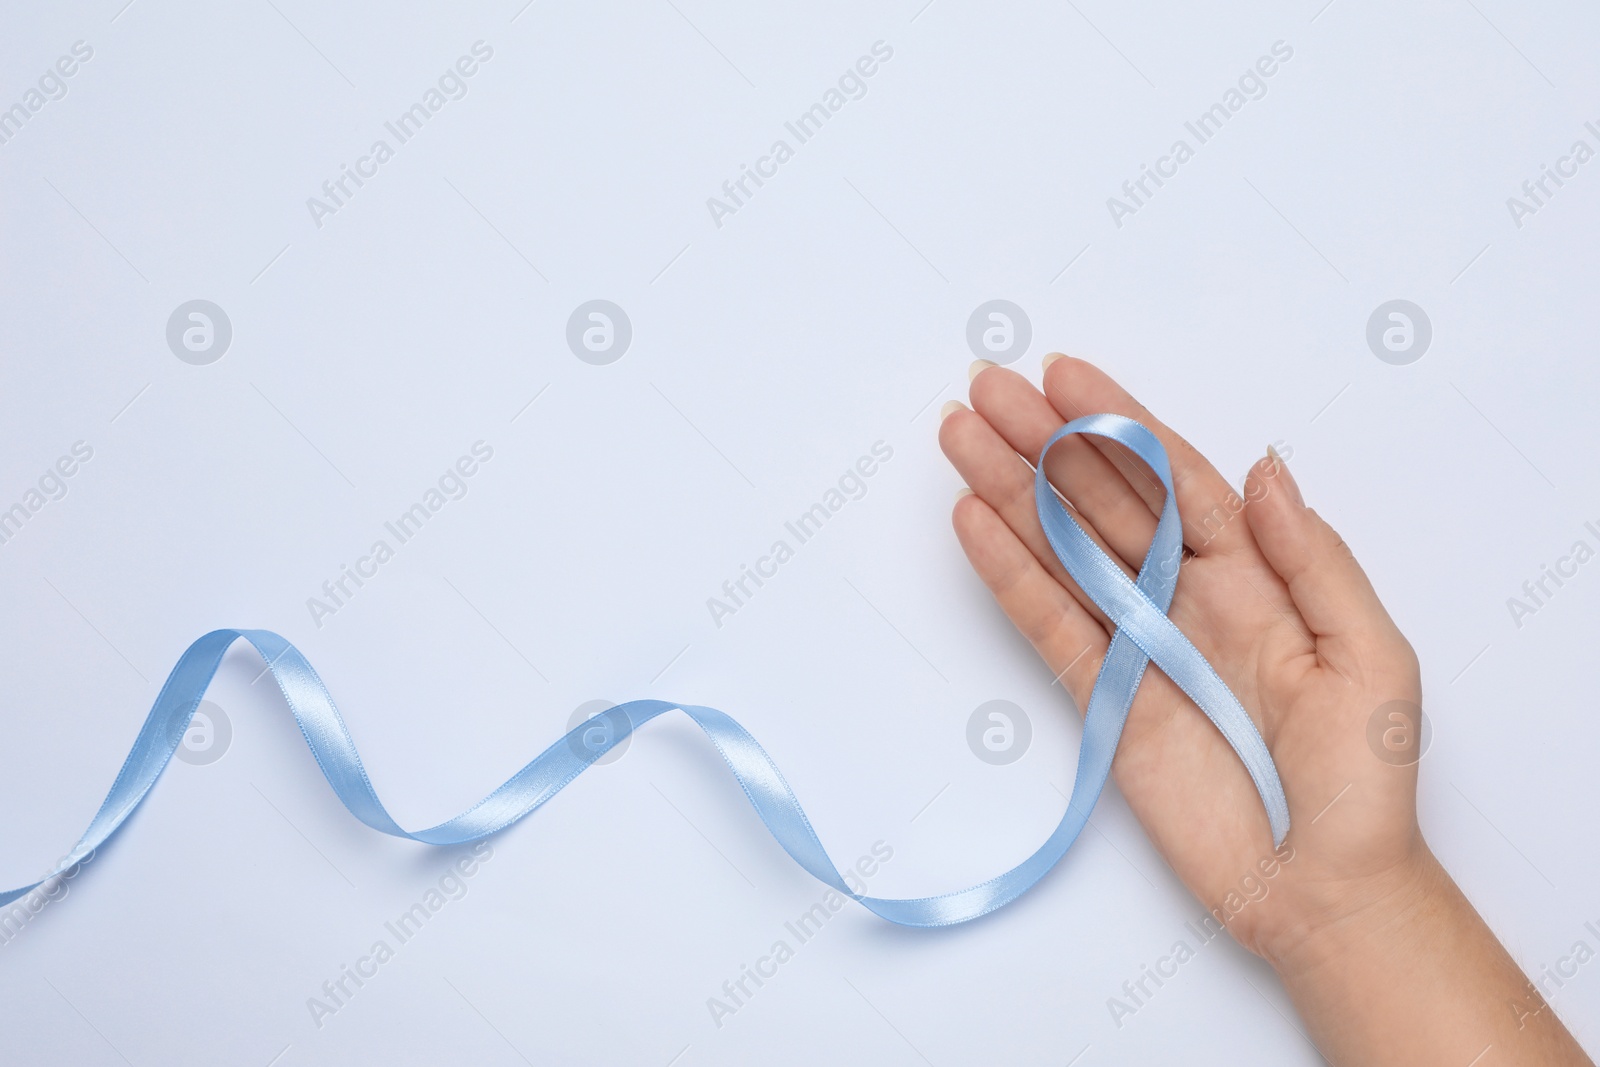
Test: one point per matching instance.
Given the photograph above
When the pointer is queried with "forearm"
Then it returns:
(1417, 978)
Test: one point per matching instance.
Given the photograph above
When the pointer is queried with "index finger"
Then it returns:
(1206, 502)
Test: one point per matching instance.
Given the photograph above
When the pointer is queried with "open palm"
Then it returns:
(1273, 599)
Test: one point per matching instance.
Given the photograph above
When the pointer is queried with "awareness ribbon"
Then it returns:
(1144, 634)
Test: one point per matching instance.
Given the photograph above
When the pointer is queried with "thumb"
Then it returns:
(1328, 586)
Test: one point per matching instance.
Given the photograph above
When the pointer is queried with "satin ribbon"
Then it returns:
(1144, 634)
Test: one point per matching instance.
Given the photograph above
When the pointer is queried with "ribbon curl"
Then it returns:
(1144, 634)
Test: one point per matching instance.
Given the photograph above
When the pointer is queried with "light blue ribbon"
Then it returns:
(1144, 634)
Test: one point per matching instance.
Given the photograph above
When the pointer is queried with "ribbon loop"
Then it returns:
(1139, 609)
(1144, 634)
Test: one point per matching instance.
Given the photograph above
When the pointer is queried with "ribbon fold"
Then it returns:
(1144, 634)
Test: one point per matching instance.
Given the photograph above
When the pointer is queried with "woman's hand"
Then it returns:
(1276, 602)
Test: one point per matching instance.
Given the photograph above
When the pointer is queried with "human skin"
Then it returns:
(1385, 959)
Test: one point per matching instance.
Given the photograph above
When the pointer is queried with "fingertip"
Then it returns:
(1328, 586)
(1068, 369)
(1269, 477)
(1280, 473)
(955, 507)
(966, 514)
(1258, 480)
(996, 391)
(1057, 365)
(1273, 508)
(941, 430)
(950, 427)
(1269, 521)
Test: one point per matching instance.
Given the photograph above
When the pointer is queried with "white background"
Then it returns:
(768, 354)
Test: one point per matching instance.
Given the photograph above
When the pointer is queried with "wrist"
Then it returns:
(1378, 916)
(1397, 968)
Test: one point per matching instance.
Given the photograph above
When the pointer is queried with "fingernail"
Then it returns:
(1280, 469)
(962, 492)
(978, 367)
(950, 408)
(1051, 358)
